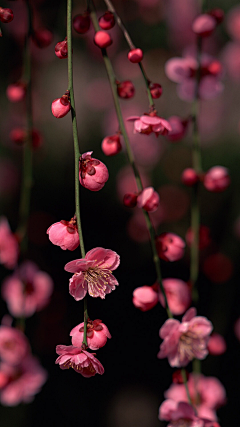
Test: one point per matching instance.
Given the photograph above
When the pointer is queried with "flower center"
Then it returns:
(189, 344)
(87, 166)
(96, 278)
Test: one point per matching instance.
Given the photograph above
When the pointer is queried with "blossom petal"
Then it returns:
(78, 286)
(103, 258)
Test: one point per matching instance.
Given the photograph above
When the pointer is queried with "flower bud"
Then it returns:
(178, 295)
(148, 200)
(42, 37)
(145, 297)
(61, 49)
(93, 174)
(111, 145)
(204, 25)
(156, 90)
(189, 177)
(135, 55)
(217, 179)
(107, 21)
(170, 246)
(179, 128)
(218, 14)
(216, 344)
(6, 15)
(19, 135)
(125, 89)
(130, 200)
(81, 23)
(64, 234)
(204, 237)
(61, 106)
(102, 39)
(16, 91)
(97, 334)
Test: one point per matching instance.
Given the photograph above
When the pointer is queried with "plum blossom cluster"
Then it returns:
(215, 180)
(21, 375)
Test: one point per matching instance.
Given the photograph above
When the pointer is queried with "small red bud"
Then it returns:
(130, 200)
(189, 177)
(204, 25)
(111, 145)
(19, 135)
(156, 90)
(61, 49)
(135, 55)
(81, 23)
(218, 14)
(125, 89)
(61, 106)
(16, 91)
(42, 37)
(6, 15)
(107, 21)
(102, 39)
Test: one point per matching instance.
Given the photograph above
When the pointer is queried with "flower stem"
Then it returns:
(131, 160)
(184, 376)
(76, 148)
(130, 43)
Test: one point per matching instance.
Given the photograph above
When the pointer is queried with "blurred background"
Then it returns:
(131, 390)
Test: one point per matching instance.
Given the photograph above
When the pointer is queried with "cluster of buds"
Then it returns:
(148, 199)
(216, 179)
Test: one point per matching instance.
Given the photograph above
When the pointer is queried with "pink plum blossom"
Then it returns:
(184, 70)
(22, 382)
(184, 341)
(64, 234)
(97, 334)
(170, 246)
(80, 360)
(207, 393)
(145, 297)
(8, 245)
(61, 106)
(148, 200)
(148, 123)
(217, 179)
(178, 295)
(27, 290)
(216, 344)
(93, 174)
(14, 345)
(93, 274)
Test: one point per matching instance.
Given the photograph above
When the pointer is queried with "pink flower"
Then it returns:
(64, 234)
(97, 334)
(145, 297)
(93, 174)
(27, 290)
(8, 245)
(111, 145)
(148, 199)
(14, 345)
(204, 25)
(93, 274)
(61, 106)
(170, 246)
(16, 92)
(185, 341)
(216, 344)
(207, 394)
(80, 360)
(149, 123)
(178, 295)
(217, 179)
(22, 382)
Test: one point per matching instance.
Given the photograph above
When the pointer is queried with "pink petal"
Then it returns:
(168, 327)
(189, 314)
(132, 118)
(77, 265)
(103, 258)
(78, 286)
(150, 120)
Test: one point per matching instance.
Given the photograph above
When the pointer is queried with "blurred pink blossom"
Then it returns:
(233, 23)
(204, 25)
(148, 123)
(8, 245)
(216, 344)
(178, 295)
(148, 200)
(93, 274)
(184, 341)
(97, 334)
(217, 179)
(14, 345)
(145, 297)
(64, 234)
(170, 246)
(27, 290)
(80, 360)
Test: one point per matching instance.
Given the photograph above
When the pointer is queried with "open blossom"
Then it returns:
(21, 382)
(178, 295)
(27, 290)
(8, 245)
(207, 394)
(182, 414)
(145, 297)
(93, 174)
(80, 360)
(93, 274)
(170, 246)
(148, 199)
(186, 340)
(14, 345)
(150, 123)
(64, 234)
(97, 334)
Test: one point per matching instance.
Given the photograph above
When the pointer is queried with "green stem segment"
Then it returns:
(184, 376)
(76, 148)
(112, 80)
(131, 46)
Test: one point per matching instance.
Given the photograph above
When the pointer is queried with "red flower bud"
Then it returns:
(61, 106)
(102, 39)
(125, 89)
(189, 177)
(61, 49)
(135, 55)
(111, 145)
(42, 37)
(81, 23)
(156, 90)
(130, 200)
(6, 15)
(107, 21)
